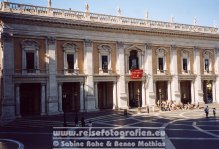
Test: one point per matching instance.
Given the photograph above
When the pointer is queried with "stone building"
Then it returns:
(87, 61)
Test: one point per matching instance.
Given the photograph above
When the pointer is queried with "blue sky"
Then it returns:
(206, 11)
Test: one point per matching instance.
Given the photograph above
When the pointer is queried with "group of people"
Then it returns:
(207, 111)
(171, 106)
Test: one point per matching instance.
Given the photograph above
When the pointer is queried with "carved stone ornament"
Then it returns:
(120, 44)
(88, 42)
(173, 47)
(51, 40)
(6, 37)
(148, 45)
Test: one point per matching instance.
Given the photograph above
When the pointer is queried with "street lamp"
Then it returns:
(138, 93)
(64, 109)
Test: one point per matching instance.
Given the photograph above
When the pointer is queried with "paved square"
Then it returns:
(184, 128)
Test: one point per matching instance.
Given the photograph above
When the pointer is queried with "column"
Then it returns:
(214, 90)
(115, 105)
(174, 71)
(96, 94)
(150, 90)
(37, 61)
(17, 100)
(81, 96)
(123, 97)
(89, 84)
(43, 99)
(60, 97)
(169, 90)
(8, 106)
(52, 83)
(143, 95)
(197, 71)
(193, 92)
(217, 72)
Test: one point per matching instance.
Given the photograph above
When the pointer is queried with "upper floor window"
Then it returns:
(133, 60)
(185, 64)
(207, 61)
(30, 61)
(161, 60)
(104, 59)
(161, 64)
(30, 56)
(185, 59)
(207, 65)
(70, 58)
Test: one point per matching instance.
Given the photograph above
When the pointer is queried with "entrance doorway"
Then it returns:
(30, 99)
(207, 90)
(71, 97)
(135, 94)
(185, 88)
(161, 92)
(105, 95)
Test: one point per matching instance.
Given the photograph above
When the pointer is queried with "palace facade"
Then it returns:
(54, 58)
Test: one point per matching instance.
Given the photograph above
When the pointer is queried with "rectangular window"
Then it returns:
(161, 64)
(30, 62)
(105, 64)
(70, 62)
(185, 65)
(207, 65)
(133, 63)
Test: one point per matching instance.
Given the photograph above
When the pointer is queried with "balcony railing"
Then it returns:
(101, 18)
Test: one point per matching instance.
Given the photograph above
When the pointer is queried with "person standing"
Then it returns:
(206, 111)
(214, 112)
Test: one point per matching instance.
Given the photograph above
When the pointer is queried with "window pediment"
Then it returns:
(161, 52)
(70, 47)
(29, 45)
(185, 53)
(104, 49)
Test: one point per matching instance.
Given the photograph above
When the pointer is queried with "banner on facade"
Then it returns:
(136, 74)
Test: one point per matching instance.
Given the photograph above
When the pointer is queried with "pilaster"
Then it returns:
(8, 104)
(150, 92)
(175, 80)
(89, 84)
(123, 96)
(197, 71)
(52, 101)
